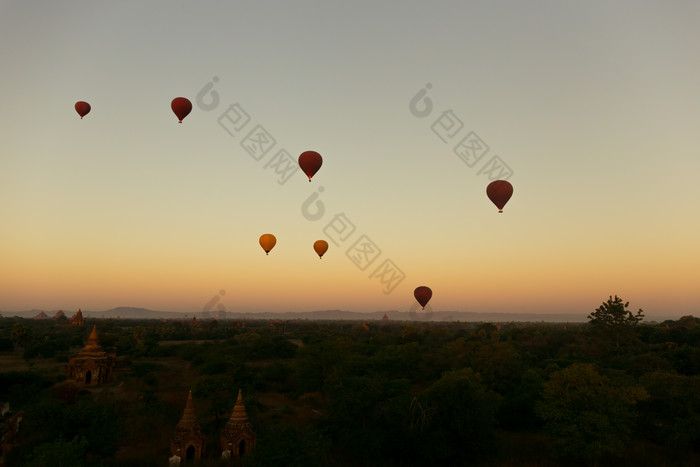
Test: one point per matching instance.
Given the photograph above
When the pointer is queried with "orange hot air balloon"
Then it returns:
(267, 242)
(310, 162)
(83, 108)
(499, 192)
(423, 295)
(321, 246)
(182, 107)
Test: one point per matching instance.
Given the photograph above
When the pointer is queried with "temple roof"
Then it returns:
(239, 414)
(92, 344)
(77, 318)
(188, 420)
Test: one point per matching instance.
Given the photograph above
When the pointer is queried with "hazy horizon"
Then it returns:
(590, 110)
(414, 313)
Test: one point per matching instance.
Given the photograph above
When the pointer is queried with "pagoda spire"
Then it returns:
(238, 436)
(188, 417)
(77, 318)
(188, 442)
(239, 414)
(92, 344)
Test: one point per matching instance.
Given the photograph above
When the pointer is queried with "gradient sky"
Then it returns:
(594, 107)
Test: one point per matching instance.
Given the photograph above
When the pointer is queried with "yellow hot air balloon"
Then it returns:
(267, 242)
(320, 246)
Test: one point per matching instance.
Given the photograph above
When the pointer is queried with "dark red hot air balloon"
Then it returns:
(182, 107)
(310, 162)
(499, 192)
(423, 295)
(83, 108)
(320, 246)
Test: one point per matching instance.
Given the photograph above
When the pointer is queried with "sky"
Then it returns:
(590, 109)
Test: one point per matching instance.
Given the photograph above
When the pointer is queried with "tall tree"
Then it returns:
(613, 318)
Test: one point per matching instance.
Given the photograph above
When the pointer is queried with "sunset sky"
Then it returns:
(590, 109)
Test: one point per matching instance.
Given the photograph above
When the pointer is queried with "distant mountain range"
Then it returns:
(328, 315)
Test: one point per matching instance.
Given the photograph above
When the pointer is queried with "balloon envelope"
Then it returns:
(182, 107)
(320, 246)
(310, 162)
(267, 242)
(423, 295)
(499, 192)
(83, 108)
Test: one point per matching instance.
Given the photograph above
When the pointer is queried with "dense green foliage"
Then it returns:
(337, 393)
(586, 415)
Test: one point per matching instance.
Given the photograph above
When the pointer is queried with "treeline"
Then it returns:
(378, 393)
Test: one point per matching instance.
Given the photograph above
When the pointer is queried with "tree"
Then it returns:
(289, 446)
(60, 453)
(21, 334)
(139, 333)
(672, 413)
(586, 414)
(455, 419)
(368, 411)
(220, 390)
(613, 318)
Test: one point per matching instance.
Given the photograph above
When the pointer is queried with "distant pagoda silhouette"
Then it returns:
(77, 319)
(238, 436)
(188, 442)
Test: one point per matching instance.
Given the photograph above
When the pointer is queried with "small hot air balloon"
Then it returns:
(499, 192)
(320, 246)
(267, 242)
(83, 108)
(423, 295)
(182, 107)
(310, 162)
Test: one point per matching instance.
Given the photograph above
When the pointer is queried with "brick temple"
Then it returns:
(92, 365)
